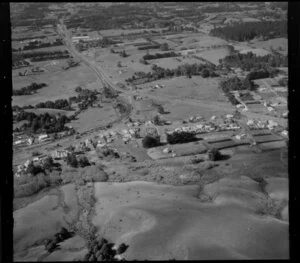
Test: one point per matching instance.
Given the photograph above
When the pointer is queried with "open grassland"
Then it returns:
(163, 222)
(213, 55)
(276, 43)
(196, 88)
(60, 85)
(172, 63)
(94, 117)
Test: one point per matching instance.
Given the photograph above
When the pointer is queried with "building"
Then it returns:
(58, 154)
(42, 137)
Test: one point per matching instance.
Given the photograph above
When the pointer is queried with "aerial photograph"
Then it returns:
(150, 131)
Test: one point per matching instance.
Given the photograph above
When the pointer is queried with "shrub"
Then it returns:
(83, 162)
(156, 120)
(68, 175)
(95, 173)
(71, 160)
(180, 137)
(34, 169)
(149, 141)
(48, 163)
(214, 154)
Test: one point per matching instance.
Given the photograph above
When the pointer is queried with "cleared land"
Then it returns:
(60, 85)
(162, 222)
(94, 117)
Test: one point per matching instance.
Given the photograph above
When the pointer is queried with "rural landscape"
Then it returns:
(150, 131)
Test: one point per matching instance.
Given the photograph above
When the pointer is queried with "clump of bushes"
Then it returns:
(214, 154)
(101, 250)
(28, 184)
(180, 137)
(81, 176)
(150, 141)
(51, 243)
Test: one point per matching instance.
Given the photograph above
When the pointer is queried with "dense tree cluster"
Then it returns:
(72, 161)
(214, 154)
(149, 46)
(45, 55)
(39, 44)
(188, 70)
(223, 7)
(249, 30)
(180, 137)
(114, 16)
(29, 90)
(250, 61)
(235, 84)
(160, 55)
(149, 141)
(52, 243)
(258, 74)
(41, 123)
(101, 250)
(60, 104)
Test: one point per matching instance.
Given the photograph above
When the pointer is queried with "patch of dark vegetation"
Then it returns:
(101, 250)
(40, 44)
(82, 176)
(249, 30)
(160, 55)
(44, 55)
(258, 64)
(181, 137)
(188, 70)
(29, 90)
(60, 104)
(41, 123)
(150, 141)
(51, 244)
(29, 184)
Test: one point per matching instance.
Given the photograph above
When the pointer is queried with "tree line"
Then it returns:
(43, 55)
(188, 70)
(29, 90)
(60, 104)
(39, 44)
(160, 55)
(249, 30)
(250, 61)
(235, 84)
(42, 123)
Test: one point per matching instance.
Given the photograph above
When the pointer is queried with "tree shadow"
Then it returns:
(224, 157)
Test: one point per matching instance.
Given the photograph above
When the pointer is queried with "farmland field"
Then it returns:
(213, 55)
(106, 184)
(94, 117)
(60, 86)
(196, 88)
